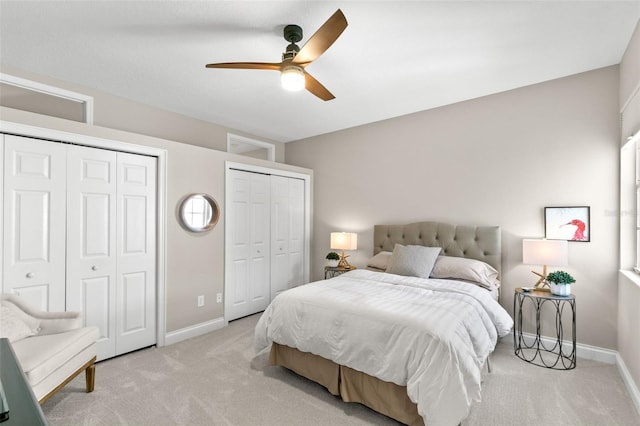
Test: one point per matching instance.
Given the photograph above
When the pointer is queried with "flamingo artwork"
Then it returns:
(578, 235)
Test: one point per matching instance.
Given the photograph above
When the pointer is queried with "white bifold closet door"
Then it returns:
(111, 246)
(95, 231)
(265, 219)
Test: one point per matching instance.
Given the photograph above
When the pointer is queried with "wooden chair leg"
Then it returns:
(90, 374)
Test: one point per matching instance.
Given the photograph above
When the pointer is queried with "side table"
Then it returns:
(334, 271)
(556, 355)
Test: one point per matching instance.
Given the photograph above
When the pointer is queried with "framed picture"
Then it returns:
(567, 223)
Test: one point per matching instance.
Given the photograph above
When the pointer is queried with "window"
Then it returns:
(635, 141)
(630, 204)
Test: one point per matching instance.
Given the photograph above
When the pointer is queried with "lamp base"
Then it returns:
(343, 262)
(542, 283)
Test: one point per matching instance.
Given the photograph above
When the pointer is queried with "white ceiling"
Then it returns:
(394, 58)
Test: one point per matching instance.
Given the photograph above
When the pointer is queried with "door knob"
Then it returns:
(94, 268)
(29, 274)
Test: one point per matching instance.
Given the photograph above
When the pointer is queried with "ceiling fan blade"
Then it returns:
(248, 65)
(315, 87)
(319, 42)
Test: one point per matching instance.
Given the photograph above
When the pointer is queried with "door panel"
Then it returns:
(134, 292)
(279, 234)
(287, 227)
(95, 296)
(296, 232)
(260, 242)
(34, 221)
(91, 241)
(136, 255)
(247, 277)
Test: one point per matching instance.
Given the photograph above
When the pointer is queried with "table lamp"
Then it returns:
(344, 241)
(545, 253)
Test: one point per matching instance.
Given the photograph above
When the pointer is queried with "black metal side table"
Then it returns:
(557, 355)
(334, 271)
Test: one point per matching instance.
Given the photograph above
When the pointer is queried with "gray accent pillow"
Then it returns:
(413, 261)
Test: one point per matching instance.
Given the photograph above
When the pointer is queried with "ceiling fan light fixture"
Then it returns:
(292, 78)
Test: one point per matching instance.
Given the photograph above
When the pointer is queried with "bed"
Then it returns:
(410, 335)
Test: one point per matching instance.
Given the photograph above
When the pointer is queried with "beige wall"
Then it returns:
(630, 73)
(497, 160)
(629, 284)
(123, 114)
(194, 262)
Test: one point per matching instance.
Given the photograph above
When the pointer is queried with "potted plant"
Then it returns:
(560, 283)
(333, 258)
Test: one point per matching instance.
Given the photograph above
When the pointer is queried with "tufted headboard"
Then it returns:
(475, 242)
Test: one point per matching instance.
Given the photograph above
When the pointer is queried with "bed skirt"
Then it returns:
(351, 385)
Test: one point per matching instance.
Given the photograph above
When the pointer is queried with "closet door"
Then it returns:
(91, 241)
(287, 233)
(34, 221)
(136, 253)
(248, 211)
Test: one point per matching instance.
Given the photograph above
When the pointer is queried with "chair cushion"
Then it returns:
(39, 356)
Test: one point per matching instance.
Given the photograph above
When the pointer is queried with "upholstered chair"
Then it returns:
(51, 347)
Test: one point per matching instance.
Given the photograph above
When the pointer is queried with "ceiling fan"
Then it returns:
(294, 60)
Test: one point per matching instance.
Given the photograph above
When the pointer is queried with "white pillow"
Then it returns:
(380, 260)
(466, 269)
(413, 261)
(11, 324)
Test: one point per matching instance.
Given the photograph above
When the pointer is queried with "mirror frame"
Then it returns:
(213, 204)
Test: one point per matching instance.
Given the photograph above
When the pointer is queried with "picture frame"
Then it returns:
(567, 223)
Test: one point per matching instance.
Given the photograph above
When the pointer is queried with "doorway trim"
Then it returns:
(161, 188)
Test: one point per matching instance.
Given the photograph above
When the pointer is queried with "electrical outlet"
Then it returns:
(200, 301)
(218, 297)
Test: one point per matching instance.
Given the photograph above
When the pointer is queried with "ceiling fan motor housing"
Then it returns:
(292, 33)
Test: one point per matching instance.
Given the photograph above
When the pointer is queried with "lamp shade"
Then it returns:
(545, 252)
(344, 240)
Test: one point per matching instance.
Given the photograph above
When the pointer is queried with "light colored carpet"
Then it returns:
(217, 380)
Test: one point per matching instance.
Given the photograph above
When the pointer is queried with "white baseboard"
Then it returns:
(632, 387)
(194, 331)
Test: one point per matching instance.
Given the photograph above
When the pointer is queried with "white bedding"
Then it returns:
(430, 335)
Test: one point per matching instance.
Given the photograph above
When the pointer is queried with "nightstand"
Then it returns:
(556, 352)
(334, 271)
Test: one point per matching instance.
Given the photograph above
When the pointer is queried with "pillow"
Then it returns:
(412, 261)
(466, 269)
(11, 324)
(380, 260)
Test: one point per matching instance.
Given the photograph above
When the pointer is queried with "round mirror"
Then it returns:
(198, 212)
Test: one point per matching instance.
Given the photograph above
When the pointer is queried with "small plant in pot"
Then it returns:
(560, 283)
(333, 258)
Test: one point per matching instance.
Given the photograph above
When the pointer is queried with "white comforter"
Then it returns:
(432, 336)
